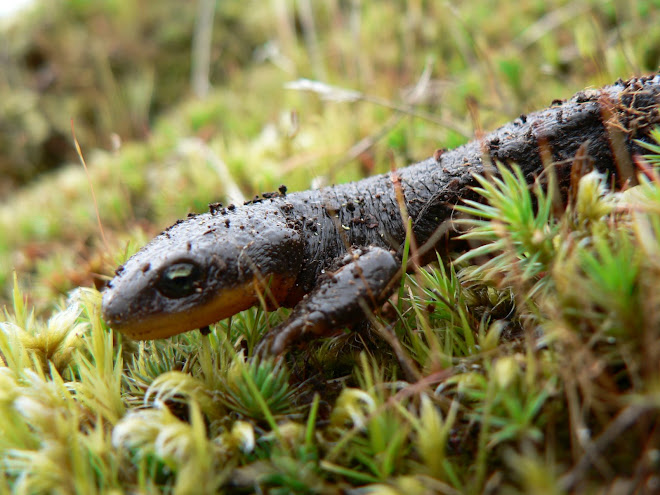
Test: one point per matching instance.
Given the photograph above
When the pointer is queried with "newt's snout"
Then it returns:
(203, 270)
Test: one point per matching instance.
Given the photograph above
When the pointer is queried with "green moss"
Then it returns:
(516, 372)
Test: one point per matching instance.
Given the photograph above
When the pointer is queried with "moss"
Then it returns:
(536, 365)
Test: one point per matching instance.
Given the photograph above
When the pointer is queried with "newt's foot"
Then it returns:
(338, 300)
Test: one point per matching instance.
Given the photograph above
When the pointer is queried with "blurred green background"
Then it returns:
(177, 104)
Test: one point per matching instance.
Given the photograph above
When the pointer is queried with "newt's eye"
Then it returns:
(179, 280)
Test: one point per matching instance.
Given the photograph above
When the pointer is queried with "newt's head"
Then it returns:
(202, 270)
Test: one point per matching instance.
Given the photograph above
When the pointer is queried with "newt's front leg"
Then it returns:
(338, 299)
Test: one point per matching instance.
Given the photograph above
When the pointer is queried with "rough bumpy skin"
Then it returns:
(278, 249)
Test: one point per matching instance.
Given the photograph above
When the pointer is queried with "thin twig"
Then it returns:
(91, 186)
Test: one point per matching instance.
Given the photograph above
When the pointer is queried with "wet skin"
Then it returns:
(334, 252)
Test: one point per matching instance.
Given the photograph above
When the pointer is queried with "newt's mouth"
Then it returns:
(139, 324)
(165, 324)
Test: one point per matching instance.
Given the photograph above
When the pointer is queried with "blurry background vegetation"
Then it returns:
(122, 71)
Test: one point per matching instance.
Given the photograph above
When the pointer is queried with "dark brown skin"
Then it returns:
(332, 253)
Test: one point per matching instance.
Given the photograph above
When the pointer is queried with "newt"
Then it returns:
(332, 253)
